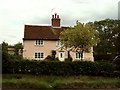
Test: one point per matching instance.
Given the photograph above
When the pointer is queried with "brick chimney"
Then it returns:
(55, 20)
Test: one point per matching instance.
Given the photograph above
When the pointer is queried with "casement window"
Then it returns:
(78, 55)
(58, 43)
(39, 55)
(39, 42)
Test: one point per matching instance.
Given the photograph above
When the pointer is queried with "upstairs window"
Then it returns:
(39, 42)
(58, 43)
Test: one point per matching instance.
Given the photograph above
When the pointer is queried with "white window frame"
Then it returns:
(39, 42)
(77, 55)
(39, 55)
(61, 56)
(58, 43)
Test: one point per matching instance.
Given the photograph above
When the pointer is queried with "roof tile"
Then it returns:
(42, 32)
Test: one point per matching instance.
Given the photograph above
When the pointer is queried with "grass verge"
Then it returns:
(52, 82)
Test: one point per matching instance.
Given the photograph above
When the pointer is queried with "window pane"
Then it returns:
(35, 55)
(39, 42)
(42, 55)
(61, 55)
(77, 55)
(36, 42)
(38, 55)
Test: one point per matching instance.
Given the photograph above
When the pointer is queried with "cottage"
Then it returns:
(39, 41)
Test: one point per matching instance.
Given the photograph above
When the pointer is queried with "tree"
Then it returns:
(106, 33)
(18, 47)
(80, 37)
(4, 47)
(118, 38)
(5, 55)
(109, 40)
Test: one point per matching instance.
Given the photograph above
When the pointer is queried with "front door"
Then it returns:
(61, 56)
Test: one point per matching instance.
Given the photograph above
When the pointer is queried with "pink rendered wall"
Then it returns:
(30, 48)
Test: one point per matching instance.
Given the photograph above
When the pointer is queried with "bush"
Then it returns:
(61, 68)
(104, 57)
(68, 59)
(106, 69)
(51, 58)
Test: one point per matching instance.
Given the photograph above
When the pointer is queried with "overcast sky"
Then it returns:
(14, 14)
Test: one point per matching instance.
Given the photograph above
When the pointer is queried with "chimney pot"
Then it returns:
(55, 20)
(52, 16)
(57, 16)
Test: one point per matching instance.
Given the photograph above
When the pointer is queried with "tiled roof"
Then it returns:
(32, 32)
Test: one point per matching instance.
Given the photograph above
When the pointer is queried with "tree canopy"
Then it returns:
(18, 47)
(108, 32)
(83, 36)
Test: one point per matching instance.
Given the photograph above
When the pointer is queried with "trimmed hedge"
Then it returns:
(104, 57)
(61, 68)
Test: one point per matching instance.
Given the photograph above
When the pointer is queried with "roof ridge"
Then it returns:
(37, 26)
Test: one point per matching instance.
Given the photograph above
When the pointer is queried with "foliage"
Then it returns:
(116, 60)
(61, 68)
(4, 47)
(68, 59)
(18, 47)
(52, 56)
(118, 38)
(53, 52)
(104, 57)
(83, 36)
(6, 56)
(108, 33)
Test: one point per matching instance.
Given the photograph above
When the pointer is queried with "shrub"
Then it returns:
(51, 58)
(53, 53)
(106, 69)
(103, 57)
(68, 59)
(61, 68)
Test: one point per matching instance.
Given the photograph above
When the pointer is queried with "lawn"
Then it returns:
(47, 82)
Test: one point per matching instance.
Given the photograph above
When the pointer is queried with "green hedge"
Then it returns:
(61, 68)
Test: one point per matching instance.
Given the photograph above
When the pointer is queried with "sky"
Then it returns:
(15, 14)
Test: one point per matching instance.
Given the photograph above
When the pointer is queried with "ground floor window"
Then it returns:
(78, 55)
(39, 55)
